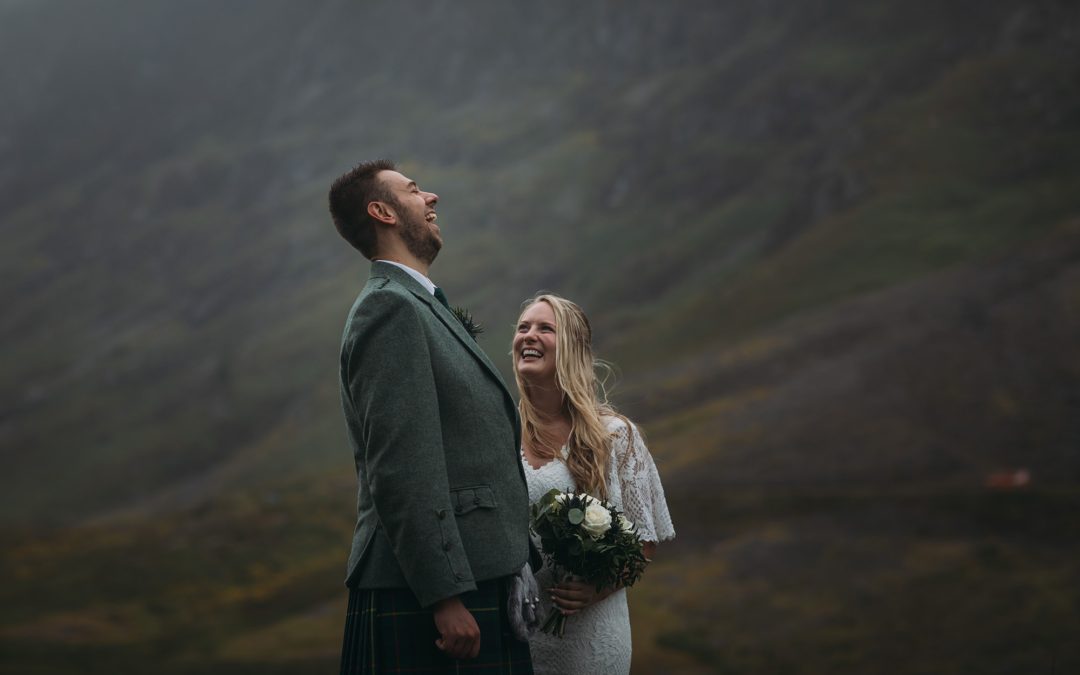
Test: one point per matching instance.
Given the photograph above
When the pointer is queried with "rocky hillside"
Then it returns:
(834, 249)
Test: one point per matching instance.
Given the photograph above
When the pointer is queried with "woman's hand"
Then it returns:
(573, 596)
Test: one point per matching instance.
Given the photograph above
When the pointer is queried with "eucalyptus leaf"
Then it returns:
(575, 516)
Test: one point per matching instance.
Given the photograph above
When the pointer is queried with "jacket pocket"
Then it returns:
(469, 498)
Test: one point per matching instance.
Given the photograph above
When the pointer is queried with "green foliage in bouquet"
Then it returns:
(587, 538)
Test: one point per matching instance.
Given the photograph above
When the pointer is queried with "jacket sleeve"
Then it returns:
(392, 386)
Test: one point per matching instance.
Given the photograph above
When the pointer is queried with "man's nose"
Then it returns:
(432, 199)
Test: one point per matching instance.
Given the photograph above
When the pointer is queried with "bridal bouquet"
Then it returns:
(588, 538)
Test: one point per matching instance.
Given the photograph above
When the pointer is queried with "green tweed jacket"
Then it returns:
(441, 497)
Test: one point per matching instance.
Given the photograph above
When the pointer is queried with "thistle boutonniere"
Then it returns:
(472, 327)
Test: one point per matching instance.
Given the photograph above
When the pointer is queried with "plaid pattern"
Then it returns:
(387, 631)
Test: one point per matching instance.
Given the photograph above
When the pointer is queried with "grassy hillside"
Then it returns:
(834, 249)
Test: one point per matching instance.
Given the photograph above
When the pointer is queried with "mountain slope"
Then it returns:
(832, 247)
(175, 289)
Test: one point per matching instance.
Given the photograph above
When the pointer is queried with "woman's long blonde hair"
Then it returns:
(583, 396)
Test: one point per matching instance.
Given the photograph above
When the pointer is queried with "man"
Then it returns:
(442, 505)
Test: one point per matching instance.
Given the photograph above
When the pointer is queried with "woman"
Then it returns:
(571, 438)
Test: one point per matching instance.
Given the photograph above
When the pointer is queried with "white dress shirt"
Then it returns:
(424, 281)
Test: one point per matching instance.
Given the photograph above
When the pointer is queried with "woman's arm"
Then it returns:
(650, 549)
(643, 501)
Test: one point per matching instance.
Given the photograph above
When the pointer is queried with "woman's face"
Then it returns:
(534, 344)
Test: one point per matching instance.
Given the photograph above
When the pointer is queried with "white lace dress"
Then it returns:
(597, 639)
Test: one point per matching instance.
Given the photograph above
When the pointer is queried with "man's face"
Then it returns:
(415, 210)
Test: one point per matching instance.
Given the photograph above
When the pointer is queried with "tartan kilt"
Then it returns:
(387, 631)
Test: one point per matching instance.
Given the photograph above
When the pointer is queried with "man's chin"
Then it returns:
(426, 253)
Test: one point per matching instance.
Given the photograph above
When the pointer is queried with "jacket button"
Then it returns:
(446, 546)
(442, 513)
(476, 500)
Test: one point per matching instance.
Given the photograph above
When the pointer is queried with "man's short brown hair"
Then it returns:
(349, 198)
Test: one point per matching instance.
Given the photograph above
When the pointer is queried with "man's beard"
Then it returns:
(420, 240)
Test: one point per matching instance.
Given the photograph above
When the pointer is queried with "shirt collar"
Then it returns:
(420, 278)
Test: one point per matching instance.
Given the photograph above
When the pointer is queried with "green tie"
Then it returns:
(441, 297)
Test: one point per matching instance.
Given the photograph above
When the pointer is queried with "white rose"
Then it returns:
(597, 520)
(625, 524)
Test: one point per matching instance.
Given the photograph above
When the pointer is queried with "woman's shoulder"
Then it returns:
(622, 430)
(617, 424)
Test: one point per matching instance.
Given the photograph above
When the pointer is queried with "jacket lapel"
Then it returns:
(446, 316)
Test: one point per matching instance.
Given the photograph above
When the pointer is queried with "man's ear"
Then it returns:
(381, 212)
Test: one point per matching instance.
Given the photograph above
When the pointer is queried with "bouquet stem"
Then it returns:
(555, 623)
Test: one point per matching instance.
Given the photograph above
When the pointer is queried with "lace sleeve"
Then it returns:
(639, 482)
